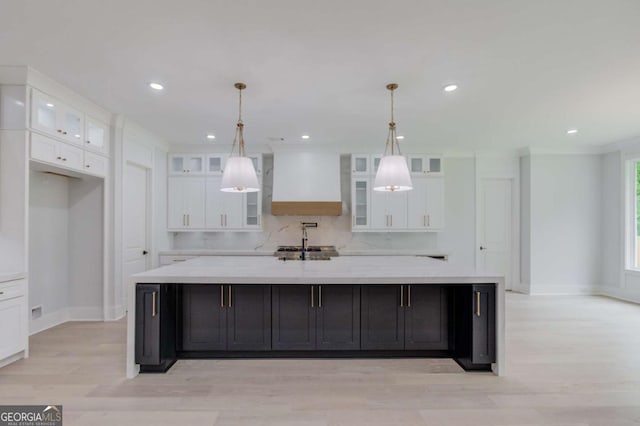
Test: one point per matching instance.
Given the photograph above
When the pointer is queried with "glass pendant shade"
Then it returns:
(239, 176)
(393, 174)
(393, 170)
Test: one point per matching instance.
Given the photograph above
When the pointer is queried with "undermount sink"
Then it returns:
(310, 252)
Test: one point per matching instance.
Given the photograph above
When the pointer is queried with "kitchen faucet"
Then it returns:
(306, 225)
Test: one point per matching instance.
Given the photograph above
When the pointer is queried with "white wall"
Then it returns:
(458, 239)
(565, 223)
(48, 246)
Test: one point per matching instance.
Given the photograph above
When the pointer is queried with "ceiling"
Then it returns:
(527, 70)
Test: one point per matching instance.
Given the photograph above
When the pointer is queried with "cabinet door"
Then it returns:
(147, 324)
(233, 209)
(293, 317)
(379, 212)
(96, 164)
(426, 318)
(360, 165)
(360, 203)
(418, 165)
(195, 200)
(44, 149)
(338, 317)
(252, 210)
(72, 157)
(204, 319)
(435, 203)
(382, 317)
(417, 204)
(214, 208)
(176, 209)
(44, 112)
(13, 330)
(483, 347)
(215, 164)
(71, 122)
(249, 317)
(397, 209)
(97, 136)
(186, 164)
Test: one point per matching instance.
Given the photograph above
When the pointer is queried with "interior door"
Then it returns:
(494, 239)
(136, 221)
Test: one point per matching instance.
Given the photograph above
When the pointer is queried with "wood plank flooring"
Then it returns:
(572, 361)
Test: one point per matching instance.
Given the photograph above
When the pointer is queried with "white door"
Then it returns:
(494, 236)
(135, 221)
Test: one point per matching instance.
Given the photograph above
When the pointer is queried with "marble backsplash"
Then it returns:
(286, 230)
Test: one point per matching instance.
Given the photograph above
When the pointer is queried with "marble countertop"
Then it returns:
(385, 252)
(338, 270)
(11, 276)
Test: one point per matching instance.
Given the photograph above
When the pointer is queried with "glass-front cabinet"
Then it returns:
(97, 136)
(425, 165)
(361, 203)
(252, 210)
(186, 164)
(53, 117)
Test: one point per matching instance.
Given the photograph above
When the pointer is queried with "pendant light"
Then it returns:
(239, 175)
(393, 172)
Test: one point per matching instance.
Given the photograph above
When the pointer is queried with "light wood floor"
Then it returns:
(572, 361)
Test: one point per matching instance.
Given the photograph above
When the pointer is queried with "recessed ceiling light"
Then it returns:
(450, 87)
(572, 131)
(400, 137)
(210, 136)
(156, 86)
(50, 105)
(305, 136)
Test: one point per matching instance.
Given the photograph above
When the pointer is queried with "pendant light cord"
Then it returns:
(391, 135)
(238, 138)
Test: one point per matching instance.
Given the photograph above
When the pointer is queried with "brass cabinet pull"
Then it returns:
(188, 220)
(220, 220)
(477, 303)
(391, 216)
(230, 304)
(225, 220)
(401, 296)
(222, 296)
(312, 296)
(428, 220)
(320, 296)
(153, 304)
(424, 220)
(409, 295)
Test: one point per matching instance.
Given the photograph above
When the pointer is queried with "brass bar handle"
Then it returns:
(391, 220)
(477, 303)
(409, 295)
(230, 303)
(320, 296)
(424, 220)
(220, 220)
(312, 296)
(428, 220)
(222, 296)
(401, 296)
(188, 220)
(153, 304)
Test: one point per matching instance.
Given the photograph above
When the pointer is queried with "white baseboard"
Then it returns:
(619, 293)
(13, 358)
(61, 316)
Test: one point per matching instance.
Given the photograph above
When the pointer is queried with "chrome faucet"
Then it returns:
(306, 225)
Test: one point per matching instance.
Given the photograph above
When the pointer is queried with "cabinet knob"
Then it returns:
(88, 141)
(64, 159)
(482, 248)
(59, 130)
(88, 165)
(64, 133)
(59, 158)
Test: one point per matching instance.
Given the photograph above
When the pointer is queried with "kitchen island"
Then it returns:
(355, 306)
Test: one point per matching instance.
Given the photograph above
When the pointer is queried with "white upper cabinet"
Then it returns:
(425, 165)
(186, 203)
(421, 209)
(51, 151)
(252, 210)
(51, 116)
(215, 164)
(96, 136)
(186, 164)
(223, 209)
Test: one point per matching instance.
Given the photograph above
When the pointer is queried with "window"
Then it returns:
(633, 215)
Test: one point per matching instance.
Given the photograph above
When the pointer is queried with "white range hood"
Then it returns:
(306, 183)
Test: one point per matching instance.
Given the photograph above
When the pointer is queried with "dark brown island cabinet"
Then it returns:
(155, 345)
(316, 317)
(176, 321)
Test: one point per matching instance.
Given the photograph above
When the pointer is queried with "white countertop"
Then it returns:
(11, 276)
(381, 252)
(338, 270)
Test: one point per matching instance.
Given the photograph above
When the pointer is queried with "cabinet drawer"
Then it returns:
(11, 289)
(58, 153)
(96, 164)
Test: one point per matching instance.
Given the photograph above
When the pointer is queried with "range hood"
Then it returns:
(306, 183)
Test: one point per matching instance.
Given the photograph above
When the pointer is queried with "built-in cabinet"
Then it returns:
(13, 307)
(298, 319)
(421, 209)
(155, 348)
(226, 317)
(404, 317)
(67, 138)
(195, 202)
(316, 317)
